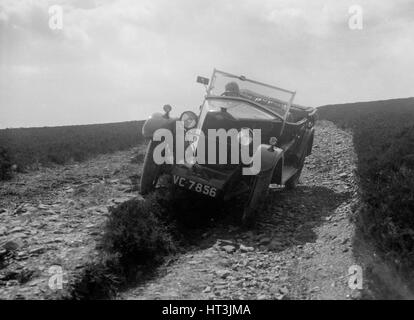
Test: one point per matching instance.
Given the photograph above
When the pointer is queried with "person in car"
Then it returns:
(231, 89)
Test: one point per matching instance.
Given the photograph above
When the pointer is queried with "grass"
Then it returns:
(137, 232)
(31, 147)
(137, 237)
(384, 141)
(5, 164)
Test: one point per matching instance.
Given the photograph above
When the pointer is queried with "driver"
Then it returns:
(232, 89)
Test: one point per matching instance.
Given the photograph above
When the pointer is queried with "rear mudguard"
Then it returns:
(310, 142)
(306, 143)
(157, 121)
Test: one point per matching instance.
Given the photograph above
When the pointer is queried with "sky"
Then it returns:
(120, 60)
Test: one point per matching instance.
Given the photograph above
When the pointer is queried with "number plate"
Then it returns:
(195, 186)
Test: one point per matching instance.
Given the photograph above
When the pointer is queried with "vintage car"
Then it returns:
(244, 106)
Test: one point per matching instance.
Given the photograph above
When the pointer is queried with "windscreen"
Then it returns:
(276, 99)
(237, 109)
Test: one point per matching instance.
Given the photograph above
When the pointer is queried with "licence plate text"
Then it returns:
(195, 186)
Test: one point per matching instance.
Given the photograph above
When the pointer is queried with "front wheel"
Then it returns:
(150, 170)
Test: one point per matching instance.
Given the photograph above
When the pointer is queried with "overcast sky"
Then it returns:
(122, 60)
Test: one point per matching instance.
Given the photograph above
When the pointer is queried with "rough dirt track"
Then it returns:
(301, 248)
(54, 217)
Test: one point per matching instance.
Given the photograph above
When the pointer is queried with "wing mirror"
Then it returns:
(203, 80)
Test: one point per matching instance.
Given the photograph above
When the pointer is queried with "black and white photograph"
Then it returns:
(219, 151)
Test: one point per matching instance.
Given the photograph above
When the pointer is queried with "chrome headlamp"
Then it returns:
(189, 119)
(245, 136)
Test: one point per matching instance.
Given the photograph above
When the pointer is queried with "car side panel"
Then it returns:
(306, 143)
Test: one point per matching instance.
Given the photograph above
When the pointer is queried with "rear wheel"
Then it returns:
(150, 170)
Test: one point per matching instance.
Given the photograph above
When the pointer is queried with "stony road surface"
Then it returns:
(302, 247)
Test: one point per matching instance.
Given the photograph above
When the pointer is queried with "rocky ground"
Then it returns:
(51, 219)
(302, 247)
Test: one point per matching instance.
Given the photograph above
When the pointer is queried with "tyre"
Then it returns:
(150, 170)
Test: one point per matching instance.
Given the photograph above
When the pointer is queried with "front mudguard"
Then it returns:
(267, 156)
(157, 121)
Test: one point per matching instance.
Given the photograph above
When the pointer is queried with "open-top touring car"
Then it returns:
(237, 104)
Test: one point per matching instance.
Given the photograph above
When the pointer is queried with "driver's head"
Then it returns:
(232, 88)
